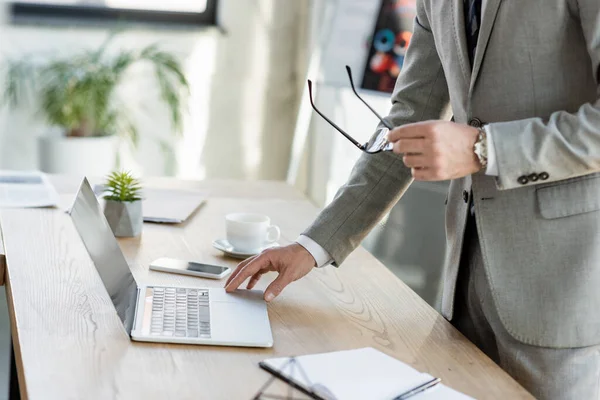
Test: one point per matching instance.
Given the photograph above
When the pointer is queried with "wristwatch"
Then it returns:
(480, 149)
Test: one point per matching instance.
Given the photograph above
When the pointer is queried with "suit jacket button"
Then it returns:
(476, 123)
(465, 196)
(544, 176)
(523, 180)
(533, 177)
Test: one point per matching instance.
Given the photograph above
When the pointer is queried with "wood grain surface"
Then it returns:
(70, 344)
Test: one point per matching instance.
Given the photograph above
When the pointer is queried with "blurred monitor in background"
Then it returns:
(388, 44)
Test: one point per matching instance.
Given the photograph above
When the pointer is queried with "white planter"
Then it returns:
(90, 156)
(125, 218)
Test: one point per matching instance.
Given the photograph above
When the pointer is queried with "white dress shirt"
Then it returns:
(322, 257)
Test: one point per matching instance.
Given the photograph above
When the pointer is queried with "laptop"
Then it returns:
(168, 206)
(167, 314)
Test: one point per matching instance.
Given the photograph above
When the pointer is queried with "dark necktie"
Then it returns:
(472, 25)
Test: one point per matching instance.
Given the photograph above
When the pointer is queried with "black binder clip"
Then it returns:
(310, 390)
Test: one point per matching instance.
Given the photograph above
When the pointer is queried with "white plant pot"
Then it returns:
(125, 218)
(89, 156)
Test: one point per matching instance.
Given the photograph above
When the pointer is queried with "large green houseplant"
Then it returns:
(78, 94)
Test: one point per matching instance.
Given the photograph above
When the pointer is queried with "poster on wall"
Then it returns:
(388, 44)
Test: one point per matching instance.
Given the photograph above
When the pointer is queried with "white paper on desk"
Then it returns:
(169, 206)
(20, 189)
(360, 374)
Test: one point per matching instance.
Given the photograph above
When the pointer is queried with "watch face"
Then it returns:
(480, 148)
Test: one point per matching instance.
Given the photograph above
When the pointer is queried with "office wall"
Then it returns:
(243, 99)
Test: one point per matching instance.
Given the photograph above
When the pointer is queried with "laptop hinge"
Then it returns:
(137, 302)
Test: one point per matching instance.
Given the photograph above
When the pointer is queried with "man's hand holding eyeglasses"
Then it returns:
(290, 262)
(437, 150)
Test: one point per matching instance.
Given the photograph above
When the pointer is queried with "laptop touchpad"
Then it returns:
(237, 296)
(241, 322)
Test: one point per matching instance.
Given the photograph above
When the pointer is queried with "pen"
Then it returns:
(418, 389)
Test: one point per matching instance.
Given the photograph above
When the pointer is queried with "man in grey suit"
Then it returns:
(522, 272)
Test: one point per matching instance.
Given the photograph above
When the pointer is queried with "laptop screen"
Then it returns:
(89, 220)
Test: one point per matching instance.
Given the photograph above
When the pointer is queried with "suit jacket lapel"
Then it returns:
(460, 37)
(487, 23)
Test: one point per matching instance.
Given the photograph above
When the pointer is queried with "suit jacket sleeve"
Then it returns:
(564, 145)
(378, 180)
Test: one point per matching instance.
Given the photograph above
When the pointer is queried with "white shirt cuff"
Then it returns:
(492, 162)
(321, 256)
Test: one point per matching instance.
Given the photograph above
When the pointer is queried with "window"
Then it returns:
(188, 12)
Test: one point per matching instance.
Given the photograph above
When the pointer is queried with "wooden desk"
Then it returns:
(69, 343)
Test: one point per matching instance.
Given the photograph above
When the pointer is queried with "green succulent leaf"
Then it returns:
(122, 186)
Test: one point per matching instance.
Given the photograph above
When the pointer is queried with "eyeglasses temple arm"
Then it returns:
(383, 121)
(340, 130)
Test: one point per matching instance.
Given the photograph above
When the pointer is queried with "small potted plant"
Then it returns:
(123, 207)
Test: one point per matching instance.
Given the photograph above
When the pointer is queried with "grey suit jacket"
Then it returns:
(534, 80)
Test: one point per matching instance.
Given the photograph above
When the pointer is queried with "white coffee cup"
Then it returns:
(250, 232)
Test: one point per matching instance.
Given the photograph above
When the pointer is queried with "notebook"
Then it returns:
(356, 375)
(21, 189)
(169, 206)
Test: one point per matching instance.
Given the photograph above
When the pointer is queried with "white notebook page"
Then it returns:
(360, 374)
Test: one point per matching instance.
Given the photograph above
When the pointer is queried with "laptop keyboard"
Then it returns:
(180, 312)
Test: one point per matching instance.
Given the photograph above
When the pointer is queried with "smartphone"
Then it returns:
(190, 268)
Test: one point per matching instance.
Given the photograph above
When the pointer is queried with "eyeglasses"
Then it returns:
(378, 142)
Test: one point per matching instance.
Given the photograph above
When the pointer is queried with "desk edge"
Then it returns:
(2, 260)
(16, 344)
(12, 317)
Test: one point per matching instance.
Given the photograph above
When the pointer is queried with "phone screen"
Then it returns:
(208, 269)
(189, 266)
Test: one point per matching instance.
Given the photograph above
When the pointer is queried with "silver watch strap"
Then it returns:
(480, 149)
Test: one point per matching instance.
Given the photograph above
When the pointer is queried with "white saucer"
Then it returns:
(228, 249)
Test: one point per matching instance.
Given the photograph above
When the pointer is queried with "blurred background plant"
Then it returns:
(78, 93)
